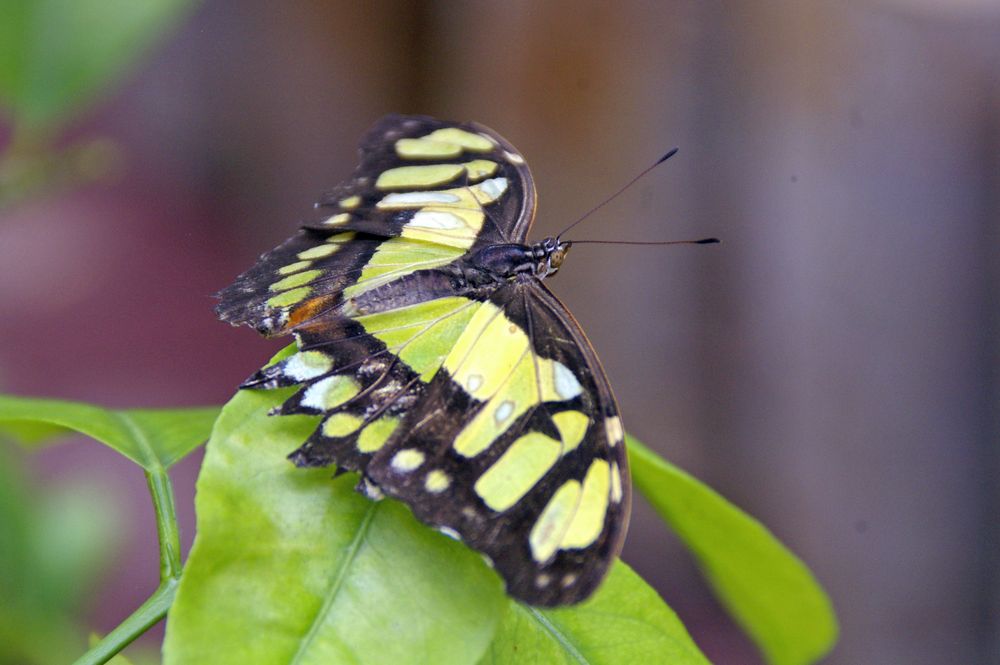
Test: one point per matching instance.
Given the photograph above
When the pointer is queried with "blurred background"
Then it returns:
(832, 367)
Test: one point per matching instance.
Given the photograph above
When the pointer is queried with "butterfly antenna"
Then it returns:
(702, 241)
(670, 153)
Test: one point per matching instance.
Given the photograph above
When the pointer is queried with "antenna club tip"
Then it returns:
(670, 153)
(707, 241)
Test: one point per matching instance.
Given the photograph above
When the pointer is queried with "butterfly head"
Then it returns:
(550, 253)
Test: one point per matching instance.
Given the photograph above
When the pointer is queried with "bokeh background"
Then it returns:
(831, 367)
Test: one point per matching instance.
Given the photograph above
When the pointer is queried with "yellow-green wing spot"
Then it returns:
(412, 177)
(350, 203)
(424, 148)
(288, 298)
(468, 140)
(294, 267)
(553, 522)
(397, 257)
(329, 393)
(298, 279)
(434, 175)
(446, 143)
(374, 436)
(319, 251)
(421, 335)
(518, 469)
(574, 516)
(341, 424)
(478, 169)
(337, 220)
(493, 361)
(588, 519)
(449, 216)
(437, 481)
(572, 426)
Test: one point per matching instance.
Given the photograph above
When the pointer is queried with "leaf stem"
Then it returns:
(162, 492)
(156, 606)
(148, 614)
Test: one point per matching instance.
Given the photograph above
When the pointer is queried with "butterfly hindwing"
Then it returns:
(525, 464)
(445, 373)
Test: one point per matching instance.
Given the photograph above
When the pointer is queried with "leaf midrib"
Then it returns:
(150, 460)
(557, 635)
(336, 584)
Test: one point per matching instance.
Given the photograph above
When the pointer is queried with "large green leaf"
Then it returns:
(151, 438)
(768, 589)
(291, 566)
(57, 55)
(625, 622)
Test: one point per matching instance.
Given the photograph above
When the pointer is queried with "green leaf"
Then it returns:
(56, 56)
(768, 589)
(290, 565)
(152, 439)
(624, 622)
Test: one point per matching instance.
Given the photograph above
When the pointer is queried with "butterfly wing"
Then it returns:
(427, 179)
(516, 446)
(426, 193)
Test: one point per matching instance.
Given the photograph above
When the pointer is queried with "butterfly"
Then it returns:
(445, 371)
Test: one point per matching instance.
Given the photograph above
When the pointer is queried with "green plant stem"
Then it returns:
(162, 492)
(148, 614)
(156, 606)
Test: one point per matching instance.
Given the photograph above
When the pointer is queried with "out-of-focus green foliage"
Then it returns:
(58, 56)
(152, 438)
(50, 549)
(57, 59)
(766, 588)
(52, 546)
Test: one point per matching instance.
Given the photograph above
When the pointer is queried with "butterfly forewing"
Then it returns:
(480, 405)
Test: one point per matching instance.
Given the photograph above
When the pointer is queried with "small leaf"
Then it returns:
(768, 589)
(624, 622)
(290, 565)
(56, 56)
(150, 438)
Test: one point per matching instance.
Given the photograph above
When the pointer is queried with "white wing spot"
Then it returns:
(474, 382)
(417, 198)
(616, 483)
(493, 187)
(451, 533)
(567, 385)
(407, 460)
(568, 580)
(436, 220)
(542, 581)
(513, 157)
(503, 411)
(613, 428)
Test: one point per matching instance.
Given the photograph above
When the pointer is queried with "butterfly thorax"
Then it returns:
(509, 261)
